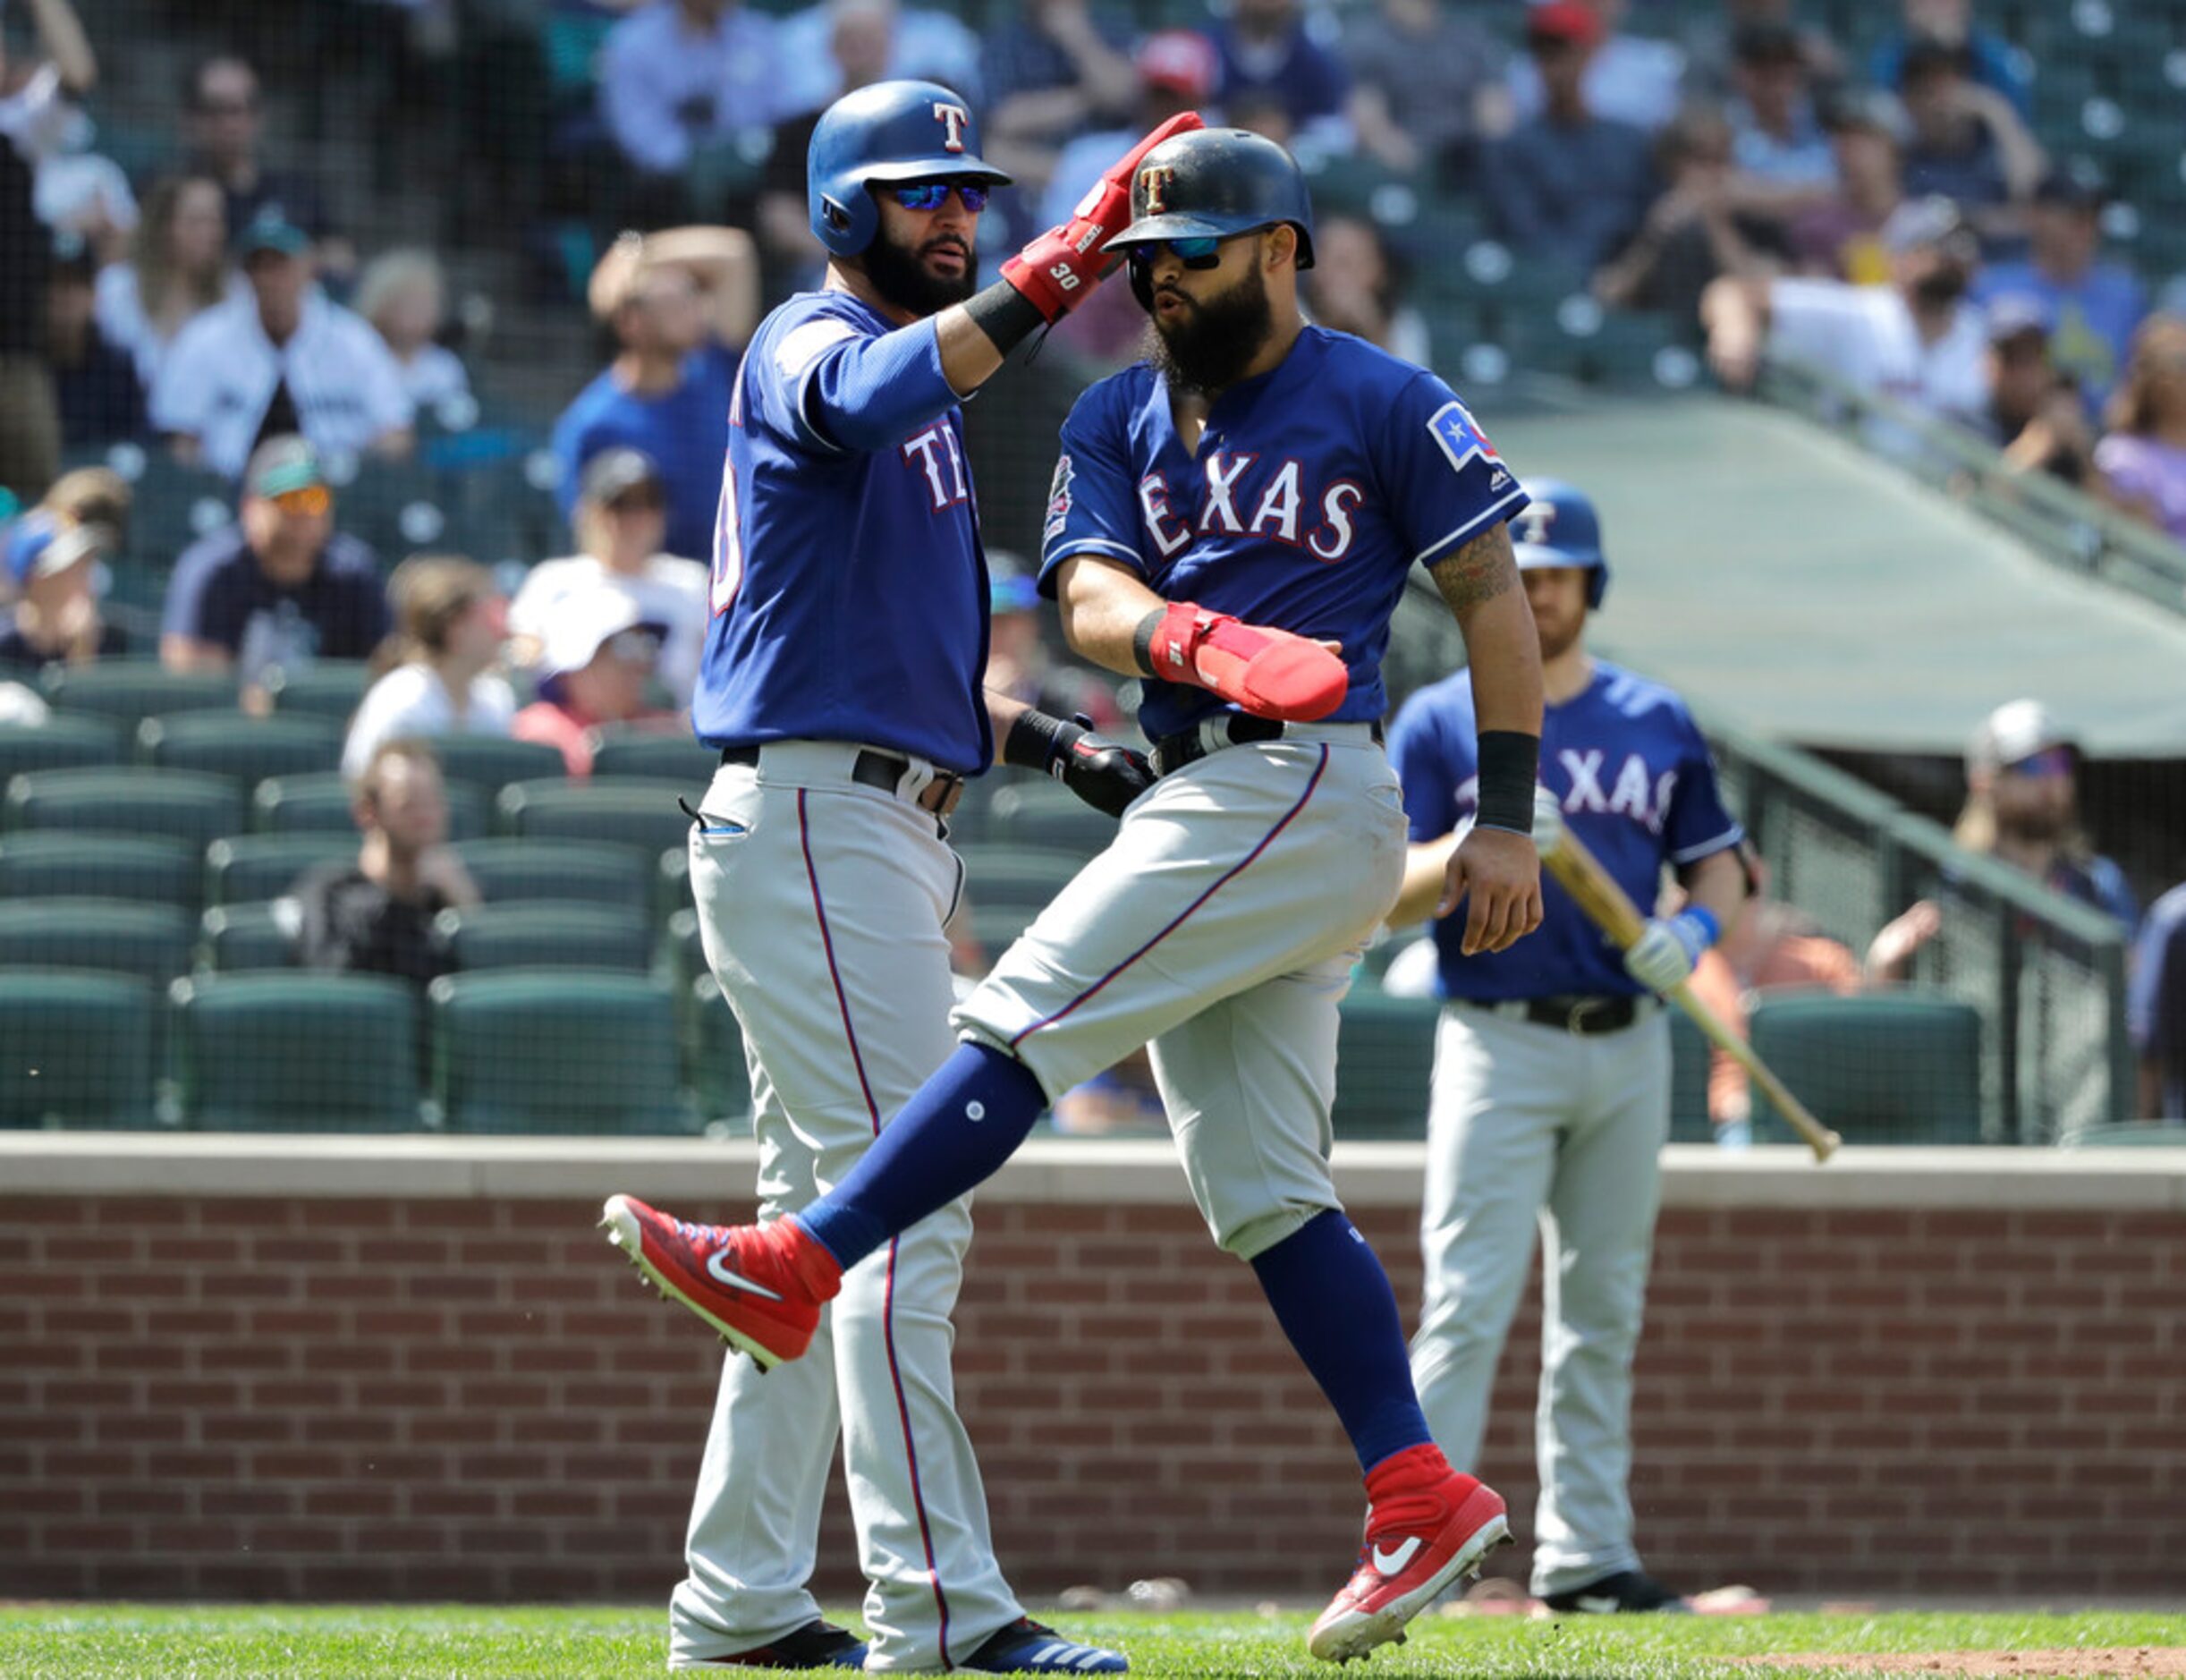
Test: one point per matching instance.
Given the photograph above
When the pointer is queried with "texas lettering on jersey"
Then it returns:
(1236, 501)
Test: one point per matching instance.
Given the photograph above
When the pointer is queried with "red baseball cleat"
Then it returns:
(1427, 1526)
(761, 1287)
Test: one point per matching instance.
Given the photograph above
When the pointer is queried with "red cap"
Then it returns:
(1183, 61)
(1564, 20)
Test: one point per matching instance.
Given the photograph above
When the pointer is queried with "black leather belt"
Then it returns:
(882, 770)
(1172, 753)
(1586, 1016)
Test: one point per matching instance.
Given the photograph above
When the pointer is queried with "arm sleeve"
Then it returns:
(1512, 204)
(640, 117)
(1696, 823)
(826, 384)
(1441, 478)
(1429, 778)
(185, 603)
(379, 382)
(1093, 499)
(1816, 320)
(178, 400)
(2152, 1002)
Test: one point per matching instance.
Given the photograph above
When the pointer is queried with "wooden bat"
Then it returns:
(1610, 910)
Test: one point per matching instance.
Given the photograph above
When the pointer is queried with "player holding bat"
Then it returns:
(1552, 1067)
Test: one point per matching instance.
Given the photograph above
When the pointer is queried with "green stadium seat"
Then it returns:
(1384, 1064)
(118, 936)
(494, 761)
(65, 864)
(684, 950)
(1041, 812)
(1882, 1068)
(714, 1064)
(297, 1052)
(2128, 1134)
(75, 1048)
(570, 1052)
(321, 803)
(250, 867)
(62, 742)
(397, 507)
(671, 886)
(548, 936)
(560, 871)
(1025, 876)
(325, 688)
(132, 689)
(233, 744)
(668, 757)
(193, 806)
(1689, 1070)
(628, 811)
(238, 937)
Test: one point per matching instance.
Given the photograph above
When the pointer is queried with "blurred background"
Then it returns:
(362, 378)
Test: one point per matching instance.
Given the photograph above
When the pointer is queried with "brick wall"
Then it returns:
(466, 1394)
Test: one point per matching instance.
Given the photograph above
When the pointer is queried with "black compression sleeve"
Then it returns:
(1005, 314)
(1510, 761)
(1034, 740)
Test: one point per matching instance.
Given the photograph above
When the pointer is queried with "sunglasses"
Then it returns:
(1201, 251)
(2051, 761)
(931, 195)
(311, 501)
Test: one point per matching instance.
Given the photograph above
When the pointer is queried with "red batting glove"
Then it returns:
(1058, 271)
(1270, 672)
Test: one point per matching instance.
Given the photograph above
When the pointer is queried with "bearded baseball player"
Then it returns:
(842, 684)
(1233, 520)
(1552, 1065)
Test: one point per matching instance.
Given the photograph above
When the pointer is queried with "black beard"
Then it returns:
(1213, 342)
(904, 280)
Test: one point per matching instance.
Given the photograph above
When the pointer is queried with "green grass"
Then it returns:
(74, 1642)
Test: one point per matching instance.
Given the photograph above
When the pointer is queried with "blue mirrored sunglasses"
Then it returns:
(931, 195)
(1202, 251)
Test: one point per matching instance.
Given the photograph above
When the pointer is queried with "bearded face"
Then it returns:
(922, 263)
(1203, 344)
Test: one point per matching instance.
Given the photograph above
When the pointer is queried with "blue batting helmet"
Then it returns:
(890, 131)
(1560, 528)
(1213, 183)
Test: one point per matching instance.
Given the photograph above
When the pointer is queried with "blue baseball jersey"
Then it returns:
(1316, 487)
(848, 585)
(1638, 786)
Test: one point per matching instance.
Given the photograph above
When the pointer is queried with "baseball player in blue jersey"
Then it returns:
(1233, 520)
(1552, 1066)
(842, 683)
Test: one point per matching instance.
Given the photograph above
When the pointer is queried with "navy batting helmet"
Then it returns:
(1213, 183)
(890, 131)
(1560, 528)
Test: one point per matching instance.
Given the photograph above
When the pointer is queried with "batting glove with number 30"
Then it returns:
(1665, 954)
(1058, 271)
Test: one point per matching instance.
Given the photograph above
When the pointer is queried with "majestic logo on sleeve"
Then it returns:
(1154, 183)
(952, 119)
(1461, 436)
(1058, 500)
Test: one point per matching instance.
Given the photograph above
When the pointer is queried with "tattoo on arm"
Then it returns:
(1483, 569)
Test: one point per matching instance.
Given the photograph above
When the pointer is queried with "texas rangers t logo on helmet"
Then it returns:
(1533, 522)
(1154, 187)
(952, 118)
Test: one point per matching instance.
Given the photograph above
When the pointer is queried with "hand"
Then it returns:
(1501, 872)
(1664, 955)
(1734, 353)
(1058, 271)
(1895, 947)
(1105, 774)
(1548, 822)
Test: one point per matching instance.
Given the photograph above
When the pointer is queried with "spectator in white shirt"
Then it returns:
(622, 517)
(928, 45)
(679, 76)
(284, 359)
(178, 269)
(450, 627)
(1630, 79)
(404, 295)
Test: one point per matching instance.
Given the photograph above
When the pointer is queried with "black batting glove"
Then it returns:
(1105, 774)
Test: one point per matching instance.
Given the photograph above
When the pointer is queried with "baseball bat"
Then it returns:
(1609, 908)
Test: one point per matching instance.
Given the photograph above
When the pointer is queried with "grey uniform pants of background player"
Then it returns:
(822, 909)
(1534, 1122)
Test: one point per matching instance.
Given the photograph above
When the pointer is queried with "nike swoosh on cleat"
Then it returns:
(735, 1278)
(1391, 1563)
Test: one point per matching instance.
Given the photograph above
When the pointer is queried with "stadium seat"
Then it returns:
(321, 803)
(1689, 1070)
(192, 806)
(671, 884)
(250, 867)
(1025, 876)
(493, 761)
(1883, 1067)
(2128, 1134)
(1384, 1064)
(684, 950)
(118, 936)
(561, 871)
(325, 688)
(548, 936)
(64, 864)
(233, 744)
(570, 1052)
(237, 936)
(669, 758)
(714, 1064)
(628, 812)
(297, 1052)
(132, 689)
(62, 742)
(1039, 811)
(75, 1048)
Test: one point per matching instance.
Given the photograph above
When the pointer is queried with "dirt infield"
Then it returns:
(2134, 1660)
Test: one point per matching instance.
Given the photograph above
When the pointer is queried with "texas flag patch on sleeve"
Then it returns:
(1461, 436)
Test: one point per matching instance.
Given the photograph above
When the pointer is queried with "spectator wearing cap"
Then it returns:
(2156, 1006)
(224, 123)
(681, 304)
(1710, 42)
(859, 41)
(178, 269)
(926, 44)
(1994, 62)
(1777, 139)
(1968, 144)
(622, 521)
(283, 359)
(1267, 50)
(597, 660)
(404, 295)
(1916, 339)
(2092, 306)
(2143, 457)
(1019, 663)
(440, 676)
(2035, 414)
(53, 567)
(1427, 87)
(1628, 79)
(94, 381)
(1569, 185)
(678, 78)
(1840, 238)
(280, 586)
(2022, 808)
